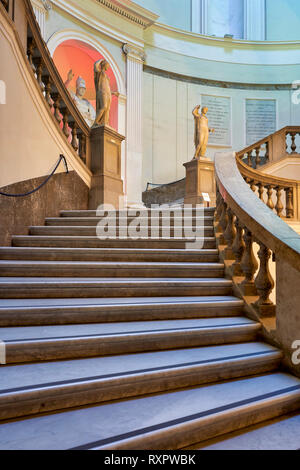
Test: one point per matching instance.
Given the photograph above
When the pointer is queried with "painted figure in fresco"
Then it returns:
(201, 131)
(85, 107)
(103, 93)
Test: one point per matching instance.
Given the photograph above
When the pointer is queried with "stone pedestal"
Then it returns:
(200, 178)
(107, 184)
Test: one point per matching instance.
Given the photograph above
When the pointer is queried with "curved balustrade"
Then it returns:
(271, 148)
(242, 219)
(66, 114)
(279, 194)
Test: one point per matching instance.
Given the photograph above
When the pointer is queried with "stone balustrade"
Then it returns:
(281, 195)
(272, 148)
(64, 111)
(243, 221)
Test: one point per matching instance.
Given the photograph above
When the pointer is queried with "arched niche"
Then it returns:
(78, 56)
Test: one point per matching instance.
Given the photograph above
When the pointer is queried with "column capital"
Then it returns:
(134, 52)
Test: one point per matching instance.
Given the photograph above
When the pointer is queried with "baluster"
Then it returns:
(218, 205)
(261, 190)
(74, 142)
(257, 158)
(279, 205)
(222, 222)
(253, 186)
(286, 142)
(270, 203)
(30, 49)
(47, 81)
(82, 147)
(65, 129)
(289, 203)
(249, 158)
(249, 264)
(238, 248)
(293, 145)
(56, 98)
(229, 233)
(39, 71)
(263, 282)
(267, 154)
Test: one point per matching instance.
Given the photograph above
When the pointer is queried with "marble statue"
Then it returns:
(103, 93)
(201, 132)
(85, 107)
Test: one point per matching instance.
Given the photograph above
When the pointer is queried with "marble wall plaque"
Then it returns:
(260, 119)
(219, 118)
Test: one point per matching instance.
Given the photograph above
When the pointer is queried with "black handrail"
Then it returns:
(61, 157)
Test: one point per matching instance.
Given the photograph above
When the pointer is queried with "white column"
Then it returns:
(40, 8)
(255, 20)
(134, 124)
(199, 16)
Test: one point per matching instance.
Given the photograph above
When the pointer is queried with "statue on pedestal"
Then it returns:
(201, 132)
(85, 107)
(103, 93)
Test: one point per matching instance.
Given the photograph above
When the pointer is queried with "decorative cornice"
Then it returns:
(216, 83)
(131, 11)
(134, 53)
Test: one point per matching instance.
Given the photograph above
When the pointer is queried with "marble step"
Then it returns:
(167, 421)
(33, 388)
(44, 343)
(277, 434)
(36, 287)
(104, 254)
(25, 312)
(124, 221)
(109, 269)
(92, 231)
(206, 211)
(59, 241)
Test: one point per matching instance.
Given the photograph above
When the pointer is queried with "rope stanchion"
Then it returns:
(61, 157)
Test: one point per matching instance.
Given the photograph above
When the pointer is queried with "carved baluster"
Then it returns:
(289, 203)
(261, 190)
(218, 205)
(257, 157)
(82, 147)
(222, 222)
(270, 203)
(267, 154)
(293, 145)
(47, 81)
(253, 186)
(286, 142)
(249, 264)
(249, 158)
(279, 205)
(238, 248)
(65, 129)
(74, 142)
(39, 72)
(263, 282)
(30, 50)
(56, 98)
(229, 233)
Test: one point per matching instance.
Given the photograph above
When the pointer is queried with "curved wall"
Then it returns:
(183, 69)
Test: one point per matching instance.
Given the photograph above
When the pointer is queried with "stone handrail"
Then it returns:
(68, 118)
(279, 194)
(242, 220)
(272, 148)
(5, 3)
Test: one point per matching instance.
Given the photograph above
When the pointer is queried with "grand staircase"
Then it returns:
(130, 344)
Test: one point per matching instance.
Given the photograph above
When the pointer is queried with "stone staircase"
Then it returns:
(129, 344)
